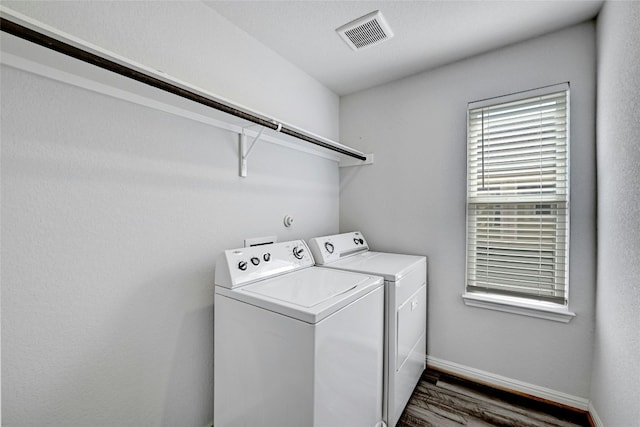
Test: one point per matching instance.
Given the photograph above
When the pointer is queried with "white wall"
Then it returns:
(113, 215)
(413, 200)
(615, 389)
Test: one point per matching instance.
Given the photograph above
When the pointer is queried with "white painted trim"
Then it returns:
(509, 383)
(594, 416)
(545, 90)
(520, 306)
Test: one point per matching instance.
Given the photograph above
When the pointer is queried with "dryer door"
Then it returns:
(412, 323)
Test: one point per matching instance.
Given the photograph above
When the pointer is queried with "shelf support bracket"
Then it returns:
(245, 149)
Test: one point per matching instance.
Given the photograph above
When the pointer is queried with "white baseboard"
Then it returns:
(594, 416)
(509, 383)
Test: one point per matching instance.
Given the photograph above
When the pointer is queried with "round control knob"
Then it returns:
(329, 247)
(266, 257)
(298, 252)
(356, 240)
(255, 260)
(361, 241)
(242, 265)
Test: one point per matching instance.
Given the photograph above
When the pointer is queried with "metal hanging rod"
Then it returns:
(102, 61)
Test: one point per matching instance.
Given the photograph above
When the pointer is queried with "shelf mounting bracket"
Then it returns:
(246, 148)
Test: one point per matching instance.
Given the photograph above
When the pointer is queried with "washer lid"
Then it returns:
(309, 295)
(390, 266)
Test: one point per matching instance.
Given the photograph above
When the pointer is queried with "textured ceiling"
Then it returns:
(427, 34)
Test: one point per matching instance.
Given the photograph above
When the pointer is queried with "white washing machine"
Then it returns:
(295, 345)
(405, 310)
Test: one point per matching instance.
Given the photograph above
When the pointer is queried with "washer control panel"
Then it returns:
(332, 248)
(237, 267)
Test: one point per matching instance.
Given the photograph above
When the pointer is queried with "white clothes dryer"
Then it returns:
(405, 310)
(295, 345)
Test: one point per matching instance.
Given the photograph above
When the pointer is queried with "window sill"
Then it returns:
(539, 309)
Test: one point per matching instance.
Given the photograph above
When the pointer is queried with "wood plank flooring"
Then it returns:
(443, 400)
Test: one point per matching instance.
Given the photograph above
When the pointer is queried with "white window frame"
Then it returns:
(509, 303)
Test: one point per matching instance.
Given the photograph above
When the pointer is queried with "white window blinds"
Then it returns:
(518, 195)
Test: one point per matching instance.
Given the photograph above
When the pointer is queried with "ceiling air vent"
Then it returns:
(367, 31)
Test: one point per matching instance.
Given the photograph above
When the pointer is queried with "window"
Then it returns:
(518, 197)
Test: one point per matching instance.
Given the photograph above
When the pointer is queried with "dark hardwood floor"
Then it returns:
(443, 400)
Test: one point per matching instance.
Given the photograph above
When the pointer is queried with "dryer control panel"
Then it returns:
(237, 267)
(332, 248)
